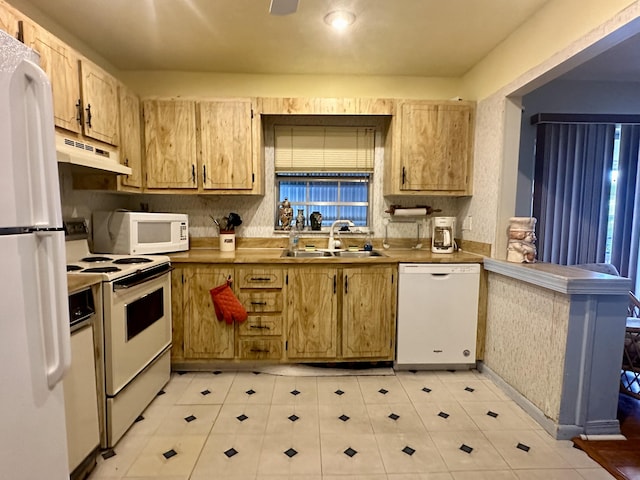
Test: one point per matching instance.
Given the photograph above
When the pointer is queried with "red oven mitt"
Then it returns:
(226, 304)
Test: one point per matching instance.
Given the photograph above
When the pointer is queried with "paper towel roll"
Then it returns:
(409, 212)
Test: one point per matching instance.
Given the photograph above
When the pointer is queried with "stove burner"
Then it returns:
(96, 259)
(126, 261)
(73, 268)
(101, 270)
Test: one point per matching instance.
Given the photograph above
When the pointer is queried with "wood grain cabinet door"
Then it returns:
(312, 313)
(170, 144)
(226, 144)
(61, 64)
(368, 312)
(100, 104)
(436, 147)
(204, 335)
(130, 137)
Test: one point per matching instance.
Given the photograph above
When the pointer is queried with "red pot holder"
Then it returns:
(227, 305)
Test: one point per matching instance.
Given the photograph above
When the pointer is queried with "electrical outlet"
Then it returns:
(466, 224)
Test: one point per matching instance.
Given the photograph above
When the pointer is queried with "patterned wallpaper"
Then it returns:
(526, 340)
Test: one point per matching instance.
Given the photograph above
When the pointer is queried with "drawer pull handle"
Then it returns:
(260, 279)
(260, 326)
(258, 303)
(259, 350)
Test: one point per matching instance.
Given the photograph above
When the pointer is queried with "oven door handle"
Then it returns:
(118, 286)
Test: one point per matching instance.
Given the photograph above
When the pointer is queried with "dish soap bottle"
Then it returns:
(293, 239)
(368, 243)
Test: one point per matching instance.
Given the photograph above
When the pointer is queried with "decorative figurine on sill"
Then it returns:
(285, 214)
(300, 220)
(316, 221)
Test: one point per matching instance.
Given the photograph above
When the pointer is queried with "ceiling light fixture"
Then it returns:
(339, 19)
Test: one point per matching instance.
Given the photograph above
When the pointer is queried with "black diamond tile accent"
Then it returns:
(161, 392)
(469, 389)
(294, 392)
(242, 417)
(205, 392)
(256, 373)
(190, 418)
(339, 392)
(250, 392)
(293, 417)
(523, 447)
(492, 414)
(350, 452)
(217, 372)
(343, 417)
(426, 390)
(108, 454)
(466, 448)
(394, 417)
(413, 371)
(231, 452)
(383, 391)
(443, 415)
(139, 419)
(291, 453)
(408, 450)
(181, 373)
(170, 453)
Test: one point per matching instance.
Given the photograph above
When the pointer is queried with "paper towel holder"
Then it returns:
(417, 211)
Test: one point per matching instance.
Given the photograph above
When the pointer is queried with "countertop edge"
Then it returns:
(559, 278)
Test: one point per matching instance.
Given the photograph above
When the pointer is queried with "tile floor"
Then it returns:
(413, 426)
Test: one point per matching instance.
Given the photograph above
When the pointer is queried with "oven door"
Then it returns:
(137, 327)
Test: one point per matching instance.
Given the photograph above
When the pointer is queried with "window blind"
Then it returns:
(323, 149)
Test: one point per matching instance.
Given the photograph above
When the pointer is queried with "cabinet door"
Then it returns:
(204, 335)
(170, 144)
(9, 19)
(100, 103)
(225, 144)
(130, 137)
(61, 63)
(368, 318)
(312, 313)
(178, 314)
(435, 147)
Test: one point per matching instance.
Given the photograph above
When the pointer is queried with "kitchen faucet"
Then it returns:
(333, 244)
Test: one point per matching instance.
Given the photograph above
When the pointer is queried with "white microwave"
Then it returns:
(139, 233)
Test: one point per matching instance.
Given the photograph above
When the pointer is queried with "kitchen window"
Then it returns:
(325, 169)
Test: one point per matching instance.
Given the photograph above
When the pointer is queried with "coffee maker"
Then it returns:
(442, 232)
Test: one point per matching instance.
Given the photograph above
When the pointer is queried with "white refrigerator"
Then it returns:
(34, 317)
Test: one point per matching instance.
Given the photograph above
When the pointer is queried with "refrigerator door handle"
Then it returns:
(54, 305)
(43, 163)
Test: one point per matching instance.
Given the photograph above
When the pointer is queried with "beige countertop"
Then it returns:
(76, 283)
(273, 256)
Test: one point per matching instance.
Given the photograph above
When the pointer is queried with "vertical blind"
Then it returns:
(324, 149)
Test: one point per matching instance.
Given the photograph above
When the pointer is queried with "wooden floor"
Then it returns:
(620, 458)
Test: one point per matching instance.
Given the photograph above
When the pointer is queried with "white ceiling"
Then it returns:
(441, 38)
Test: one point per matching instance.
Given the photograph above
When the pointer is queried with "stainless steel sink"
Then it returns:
(358, 254)
(305, 254)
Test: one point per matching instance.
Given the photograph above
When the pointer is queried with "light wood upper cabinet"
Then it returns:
(130, 138)
(312, 309)
(9, 18)
(431, 148)
(225, 135)
(100, 103)
(61, 64)
(368, 312)
(204, 335)
(170, 145)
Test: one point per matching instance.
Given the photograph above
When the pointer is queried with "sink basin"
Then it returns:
(358, 254)
(305, 254)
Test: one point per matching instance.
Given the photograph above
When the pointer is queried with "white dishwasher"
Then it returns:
(437, 315)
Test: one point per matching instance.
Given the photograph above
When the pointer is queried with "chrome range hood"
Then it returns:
(88, 156)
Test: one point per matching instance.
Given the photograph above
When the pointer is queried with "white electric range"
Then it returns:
(136, 327)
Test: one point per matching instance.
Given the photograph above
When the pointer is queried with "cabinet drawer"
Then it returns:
(263, 349)
(261, 325)
(261, 301)
(259, 278)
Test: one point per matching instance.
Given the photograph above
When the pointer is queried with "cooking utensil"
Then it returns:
(234, 219)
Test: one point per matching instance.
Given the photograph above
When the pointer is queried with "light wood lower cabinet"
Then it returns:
(295, 314)
(312, 313)
(205, 337)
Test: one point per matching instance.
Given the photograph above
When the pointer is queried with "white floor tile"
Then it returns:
(483, 455)
(339, 391)
(382, 390)
(548, 474)
(290, 454)
(445, 417)
(525, 449)
(409, 453)
(154, 461)
(290, 419)
(207, 388)
(395, 418)
(214, 463)
(350, 454)
(241, 419)
(295, 391)
(348, 419)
